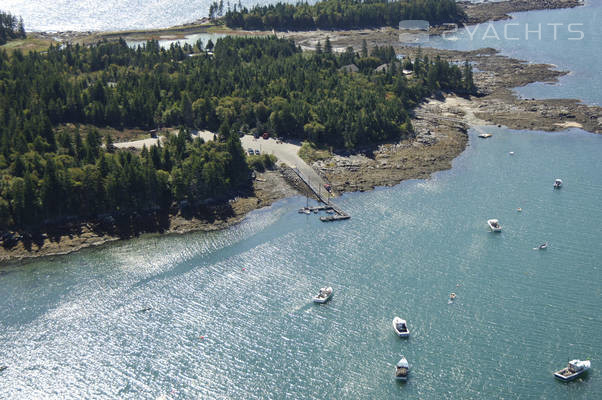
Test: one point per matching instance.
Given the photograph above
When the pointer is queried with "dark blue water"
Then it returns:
(232, 314)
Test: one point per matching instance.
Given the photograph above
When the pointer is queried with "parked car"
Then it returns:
(251, 152)
(266, 135)
(257, 152)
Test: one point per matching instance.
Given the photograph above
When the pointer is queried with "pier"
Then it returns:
(338, 215)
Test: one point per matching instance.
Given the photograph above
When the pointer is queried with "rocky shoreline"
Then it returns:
(494, 11)
(268, 188)
(440, 125)
(476, 13)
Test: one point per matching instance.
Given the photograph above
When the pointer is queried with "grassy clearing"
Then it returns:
(310, 153)
(118, 135)
(27, 45)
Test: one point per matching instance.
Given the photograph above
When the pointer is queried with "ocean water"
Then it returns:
(86, 15)
(570, 39)
(232, 315)
(94, 15)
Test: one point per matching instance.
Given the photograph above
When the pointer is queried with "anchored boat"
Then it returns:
(401, 327)
(494, 225)
(402, 369)
(557, 183)
(324, 295)
(573, 370)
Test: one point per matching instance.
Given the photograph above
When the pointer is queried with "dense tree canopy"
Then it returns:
(49, 172)
(340, 14)
(11, 27)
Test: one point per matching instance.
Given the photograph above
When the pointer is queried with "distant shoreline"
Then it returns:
(438, 142)
(476, 12)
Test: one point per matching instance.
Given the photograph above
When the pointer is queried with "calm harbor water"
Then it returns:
(86, 15)
(581, 57)
(232, 314)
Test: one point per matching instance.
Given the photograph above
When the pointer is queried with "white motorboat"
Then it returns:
(401, 327)
(485, 135)
(573, 370)
(557, 183)
(402, 369)
(494, 225)
(324, 295)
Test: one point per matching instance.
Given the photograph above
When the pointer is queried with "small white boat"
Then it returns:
(494, 225)
(401, 327)
(573, 370)
(485, 135)
(402, 369)
(541, 246)
(324, 295)
(511, 153)
(557, 183)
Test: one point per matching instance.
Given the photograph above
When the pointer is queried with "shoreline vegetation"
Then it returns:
(433, 143)
(338, 14)
(56, 180)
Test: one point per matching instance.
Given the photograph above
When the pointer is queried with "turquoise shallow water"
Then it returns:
(232, 315)
(582, 58)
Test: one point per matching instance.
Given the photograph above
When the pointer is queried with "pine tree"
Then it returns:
(364, 48)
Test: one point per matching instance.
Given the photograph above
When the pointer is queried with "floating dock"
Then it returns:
(339, 214)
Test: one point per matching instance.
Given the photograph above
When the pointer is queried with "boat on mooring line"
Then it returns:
(557, 183)
(402, 369)
(494, 225)
(401, 327)
(573, 370)
(324, 295)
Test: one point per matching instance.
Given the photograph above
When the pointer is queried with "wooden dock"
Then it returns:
(324, 197)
